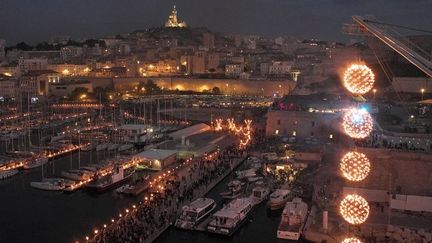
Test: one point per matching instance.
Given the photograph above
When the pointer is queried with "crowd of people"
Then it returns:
(152, 216)
(377, 140)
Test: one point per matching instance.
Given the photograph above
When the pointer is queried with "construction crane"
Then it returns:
(404, 50)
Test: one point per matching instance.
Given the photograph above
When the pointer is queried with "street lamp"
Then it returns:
(422, 92)
(374, 92)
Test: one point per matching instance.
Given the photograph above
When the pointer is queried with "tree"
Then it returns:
(152, 88)
(23, 46)
(216, 90)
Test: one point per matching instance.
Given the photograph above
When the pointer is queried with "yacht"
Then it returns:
(259, 194)
(118, 176)
(124, 188)
(125, 147)
(279, 198)
(37, 161)
(227, 220)
(293, 220)
(195, 212)
(235, 188)
(255, 179)
(4, 174)
(77, 175)
(246, 173)
(51, 184)
(102, 146)
(88, 147)
(113, 146)
(58, 137)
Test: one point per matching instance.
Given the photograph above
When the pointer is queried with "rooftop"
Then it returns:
(157, 154)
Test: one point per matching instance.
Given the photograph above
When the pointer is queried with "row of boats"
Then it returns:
(227, 220)
(90, 177)
(201, 215)
(29, 160)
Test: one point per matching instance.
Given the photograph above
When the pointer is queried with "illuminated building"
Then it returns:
(173, 21)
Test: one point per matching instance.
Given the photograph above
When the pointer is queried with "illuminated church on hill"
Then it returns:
(173, 21)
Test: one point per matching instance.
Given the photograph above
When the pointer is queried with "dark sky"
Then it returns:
(38, 20)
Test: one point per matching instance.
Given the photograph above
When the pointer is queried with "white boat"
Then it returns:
(77, 175)
(88, 147)
(259, 194)
(93, 169)
(51, 184)
(293, 220)
(125, 147)
(4, 174)
(57, 137)
(117, 177)
(279, 198)
(195, 212)
(36, 162)
(246, 173)
(235, 189)
(228, 219)
(124, 188)
(102, 146)
(113, 146)
(255, 178)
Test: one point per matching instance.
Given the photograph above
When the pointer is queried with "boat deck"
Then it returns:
(202, 227)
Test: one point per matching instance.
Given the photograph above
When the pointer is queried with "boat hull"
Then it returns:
(220, 230)
(6, 174)
(42, 186)
(190, 225)
(288, 235)
(100, 188)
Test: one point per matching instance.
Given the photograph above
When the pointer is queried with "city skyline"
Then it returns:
(303, 19)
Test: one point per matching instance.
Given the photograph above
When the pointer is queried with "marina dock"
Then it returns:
(204, 191)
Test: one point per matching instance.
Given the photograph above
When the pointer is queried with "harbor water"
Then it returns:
(29, 214)
(260, 228)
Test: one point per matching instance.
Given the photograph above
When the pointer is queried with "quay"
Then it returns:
(237, 162)
(171, 189)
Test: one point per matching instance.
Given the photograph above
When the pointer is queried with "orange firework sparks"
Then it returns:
(355, 166)
(354, 209)
(359, 79)
(357, 123)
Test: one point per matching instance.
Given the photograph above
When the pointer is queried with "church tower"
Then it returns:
(173, 21)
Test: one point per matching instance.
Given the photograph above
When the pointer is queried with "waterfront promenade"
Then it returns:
(147, 220)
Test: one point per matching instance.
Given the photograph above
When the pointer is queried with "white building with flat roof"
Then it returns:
(32, 64)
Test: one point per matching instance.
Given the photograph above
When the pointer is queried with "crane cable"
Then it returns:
(389, 79)
(399, 26)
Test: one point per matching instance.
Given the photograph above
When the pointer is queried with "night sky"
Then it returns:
(38, 20)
